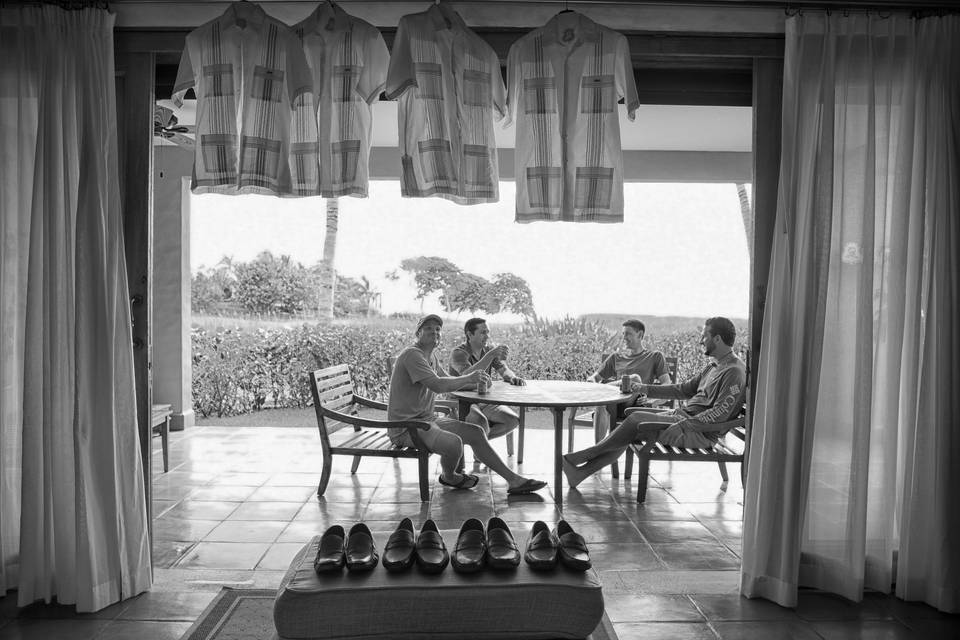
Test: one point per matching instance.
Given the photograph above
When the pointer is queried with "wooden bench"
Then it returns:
(160, 423)
(348, 428)
(731, 447)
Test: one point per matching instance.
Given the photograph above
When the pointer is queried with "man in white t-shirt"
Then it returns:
(417, 379)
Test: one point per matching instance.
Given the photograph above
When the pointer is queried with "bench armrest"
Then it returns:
(367, 402)
(374, 424)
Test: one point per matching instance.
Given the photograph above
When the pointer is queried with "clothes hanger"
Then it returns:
(566, 8)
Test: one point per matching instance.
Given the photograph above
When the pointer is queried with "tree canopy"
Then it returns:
(459, 290)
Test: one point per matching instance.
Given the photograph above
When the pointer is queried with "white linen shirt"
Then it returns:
(565, 80)
(348, 60)
(249, 72)
(448, 87)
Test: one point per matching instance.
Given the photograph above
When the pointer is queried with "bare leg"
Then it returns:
(579, 465)
(472, 435)
(449, 447)
(502, 420)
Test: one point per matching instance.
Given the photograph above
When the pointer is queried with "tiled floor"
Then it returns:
(237, 503)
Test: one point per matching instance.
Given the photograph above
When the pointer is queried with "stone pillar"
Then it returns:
(172, 361)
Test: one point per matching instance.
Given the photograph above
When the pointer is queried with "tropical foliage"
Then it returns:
(238, 370)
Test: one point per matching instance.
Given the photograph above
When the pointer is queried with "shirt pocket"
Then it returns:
(539, 95)
(267, 84)
(597, 94)
(345, 79)
(217, 80)
(476, 88)
(429, 80)
(594, 188)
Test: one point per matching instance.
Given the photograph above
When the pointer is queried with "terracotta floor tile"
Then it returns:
(223, 555)
(246, 531)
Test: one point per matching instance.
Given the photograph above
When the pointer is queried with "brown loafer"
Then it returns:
(573, 548)
(542, 548)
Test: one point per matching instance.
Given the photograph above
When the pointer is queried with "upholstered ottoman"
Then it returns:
(489, 605)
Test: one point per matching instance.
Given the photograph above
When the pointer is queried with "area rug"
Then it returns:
(247, 614)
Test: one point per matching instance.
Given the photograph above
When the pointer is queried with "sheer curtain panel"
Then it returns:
(855, 470)
(73, 523)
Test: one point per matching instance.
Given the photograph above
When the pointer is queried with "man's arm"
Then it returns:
(683, 391)
(446, 384)
(605, 372)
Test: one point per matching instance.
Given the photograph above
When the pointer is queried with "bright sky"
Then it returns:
(680, 251)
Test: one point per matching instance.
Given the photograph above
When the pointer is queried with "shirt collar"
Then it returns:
(242, 15)
(327, 17)
(584, 29)
(442, 17)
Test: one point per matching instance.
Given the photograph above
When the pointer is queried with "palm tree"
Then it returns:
(746, 212)
(328, 275)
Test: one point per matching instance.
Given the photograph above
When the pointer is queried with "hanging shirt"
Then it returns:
(249, 73)
(348, 60)
(565, 80)
(449, 89)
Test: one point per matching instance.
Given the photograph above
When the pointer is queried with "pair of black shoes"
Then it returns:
(477, 547)
(357, 551)
(546, 548)
(427, 549)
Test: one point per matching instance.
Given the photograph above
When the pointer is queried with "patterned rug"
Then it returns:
(247, 614)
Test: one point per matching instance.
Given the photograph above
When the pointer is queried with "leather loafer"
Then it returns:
(542, 548)
(330, 553)
(573, 548)
(502, 551)
(471, 550)
(398, 552)
(361, 551)
(432, 556)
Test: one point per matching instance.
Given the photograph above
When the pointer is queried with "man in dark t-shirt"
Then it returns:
(713, 396)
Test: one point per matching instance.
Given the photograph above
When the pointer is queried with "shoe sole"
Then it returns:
(431, 568)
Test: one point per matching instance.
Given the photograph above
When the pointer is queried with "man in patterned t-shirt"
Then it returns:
(714, 395)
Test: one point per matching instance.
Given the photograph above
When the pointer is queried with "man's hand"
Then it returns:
(499, 352)
(517, 381)
(475, 376)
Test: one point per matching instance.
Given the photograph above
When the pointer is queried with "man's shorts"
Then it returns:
(498, 413)
(429, 436)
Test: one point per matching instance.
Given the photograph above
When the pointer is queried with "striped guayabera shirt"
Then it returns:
(448, 87)
(565, 80)
(348, 60)
(249, 73)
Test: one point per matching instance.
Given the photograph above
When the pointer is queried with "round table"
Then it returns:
(556, 395)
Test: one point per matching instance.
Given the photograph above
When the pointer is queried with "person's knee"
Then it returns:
(471, 433)
(449, 445)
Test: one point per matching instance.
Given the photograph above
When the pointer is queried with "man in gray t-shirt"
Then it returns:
(417, 379)
(650, 366)
(713, 396)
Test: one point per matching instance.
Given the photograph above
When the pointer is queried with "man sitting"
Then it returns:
(417, 378)
(714, 395)
(474, 355)
(648, 366)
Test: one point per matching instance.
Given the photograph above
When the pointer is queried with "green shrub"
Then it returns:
(238, 370)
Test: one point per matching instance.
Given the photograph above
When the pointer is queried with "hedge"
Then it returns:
(237, 370)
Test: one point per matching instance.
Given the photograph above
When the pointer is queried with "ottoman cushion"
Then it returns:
(489, 605)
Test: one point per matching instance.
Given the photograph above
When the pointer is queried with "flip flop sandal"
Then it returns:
(529, 486)
(467, 481)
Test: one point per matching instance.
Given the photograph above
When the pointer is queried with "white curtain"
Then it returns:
(73, 521)
(854, 476)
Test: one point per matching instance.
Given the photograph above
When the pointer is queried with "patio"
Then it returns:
(238, 502)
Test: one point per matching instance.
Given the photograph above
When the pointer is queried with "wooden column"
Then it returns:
(767, 119)
(135, 103)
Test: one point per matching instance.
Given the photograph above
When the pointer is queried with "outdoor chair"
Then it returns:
(347, 427)
(732, 446)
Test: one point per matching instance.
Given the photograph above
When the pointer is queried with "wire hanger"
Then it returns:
(566, 7)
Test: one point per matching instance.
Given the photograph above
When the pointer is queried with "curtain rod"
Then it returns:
(68, 5)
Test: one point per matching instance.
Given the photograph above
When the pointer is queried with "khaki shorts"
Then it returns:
(429, 436)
